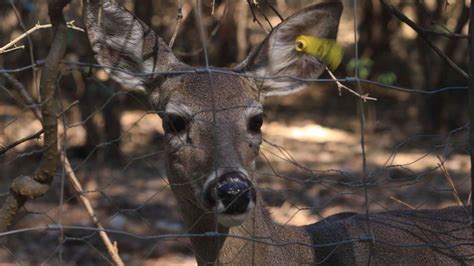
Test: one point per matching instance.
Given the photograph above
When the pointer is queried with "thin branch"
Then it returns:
(403, 203)
(341, 86)
(255, 19)
(449, 35)
(22, 36)
(213, 7)
(264, 16)
(18, 86)
(37, 135)
(4, 149)
(179, 20)
(111, 247)
(8, 47)
(424, 36)
(274, 10)
(450, 181)
(469, 198)
(14, 49)
(34, 70)
(241, 31)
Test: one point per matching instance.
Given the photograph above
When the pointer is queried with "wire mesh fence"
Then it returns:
(345, 144)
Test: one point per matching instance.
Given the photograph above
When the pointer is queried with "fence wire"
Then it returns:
(305, 172)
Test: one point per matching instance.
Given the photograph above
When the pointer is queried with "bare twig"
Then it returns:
(341, 86)
(424, 36)
(23, 92)
(263, 15)
(469, 198)
(14, 48)
(22, 36)
(241, 23)
(8, 47)
(255, 19)
(403, 203)
(179, 20)
(274, 10)
(213, 7)
(37, 135)
(4, 149)
(111, 247)
(450, 181)
(34, 70)
(449, 35)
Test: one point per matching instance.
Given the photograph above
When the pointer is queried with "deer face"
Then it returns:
(211, 120)
(213, 137)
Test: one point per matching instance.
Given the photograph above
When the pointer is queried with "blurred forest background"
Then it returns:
(312, 165)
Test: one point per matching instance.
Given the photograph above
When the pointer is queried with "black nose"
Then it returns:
(235, 192)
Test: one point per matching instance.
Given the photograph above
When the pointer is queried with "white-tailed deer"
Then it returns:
(212, 126)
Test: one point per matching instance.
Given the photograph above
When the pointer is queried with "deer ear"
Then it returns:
(125, 46)
(277, 56)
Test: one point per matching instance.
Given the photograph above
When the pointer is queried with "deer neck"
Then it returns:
(257, 241)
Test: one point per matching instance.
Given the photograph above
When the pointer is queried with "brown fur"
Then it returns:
(410, 237)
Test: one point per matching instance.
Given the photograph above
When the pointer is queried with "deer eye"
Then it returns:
(255, 123)
(173, 123)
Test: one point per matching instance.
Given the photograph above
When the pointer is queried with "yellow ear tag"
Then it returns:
(325, 49)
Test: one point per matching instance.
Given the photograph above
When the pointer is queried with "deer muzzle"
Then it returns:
(231, 196)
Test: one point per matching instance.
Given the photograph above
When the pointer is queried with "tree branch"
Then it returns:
(37, 135)
(11, 46)
(449, 35)
(24, 187)
(340, 87)
(111, 248)
(274, 10)
(255, 19)
(423, 34)
(23, 92)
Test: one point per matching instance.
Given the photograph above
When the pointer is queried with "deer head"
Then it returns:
(212, 119)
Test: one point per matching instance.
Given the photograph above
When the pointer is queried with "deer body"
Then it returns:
(409, 237)
(212, 123)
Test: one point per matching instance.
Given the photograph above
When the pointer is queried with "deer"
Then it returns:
(212, 121)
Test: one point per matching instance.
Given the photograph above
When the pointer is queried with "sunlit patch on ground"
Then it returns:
(172, 260)
(310, 132)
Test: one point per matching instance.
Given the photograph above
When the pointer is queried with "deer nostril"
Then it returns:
(231, 189)
(235, 194)
(231, 193)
